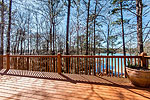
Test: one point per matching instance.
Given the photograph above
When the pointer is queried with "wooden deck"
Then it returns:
(28, 85)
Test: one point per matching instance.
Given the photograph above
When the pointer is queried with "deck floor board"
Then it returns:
(32, 85)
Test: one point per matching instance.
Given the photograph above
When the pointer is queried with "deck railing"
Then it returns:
(102, 65)
(45, 63)
(74, 64)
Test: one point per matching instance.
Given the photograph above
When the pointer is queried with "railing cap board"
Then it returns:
(33, 56)
(82, 56)
(147, 57)
(96, 56)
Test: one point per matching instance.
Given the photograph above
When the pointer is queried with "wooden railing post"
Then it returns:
(143, 59)
(59, 63)
(8, 61)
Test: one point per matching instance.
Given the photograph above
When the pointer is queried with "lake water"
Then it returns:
(110, 66)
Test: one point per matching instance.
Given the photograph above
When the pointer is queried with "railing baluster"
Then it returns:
(46, 64)
(33, 64)
(97, 65)
(51, 65)
(74, 62)
(138, 61)
(94, 66)
(112, 66)
(17, 62)
(100, 64)
(37, 63)
(121, 67)
(40, 64)
(115, 67)
(82, 64)
(75, 65)
(22, 58)
(103, 65)
(148, 62)
(106, 66)
(134, 61)
(27, 63)
(125, 67)
(69, 67)
(128, 61)
(118, 68)
(78, 65)
(73, 68)
(30, 65)
(90, 66)
(109, 66)
(55, 64)
(63, 62)
(131, 61)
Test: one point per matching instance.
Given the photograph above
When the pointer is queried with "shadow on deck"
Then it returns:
(22, 84)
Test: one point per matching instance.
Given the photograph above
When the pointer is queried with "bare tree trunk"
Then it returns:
(16, 38)
(107, 49)
(122, 25)
(53, 23)
(47, 47)
(37, 42)
(51, 40)
(18, 42)
(29, 34)
(67, 34)
(50, 33)
(9, 28)
(139, 8)
(78, 63)
(87, 27)
(2, 35)
(21, 42)
(70, 48)
(94, 28)
(78, 28)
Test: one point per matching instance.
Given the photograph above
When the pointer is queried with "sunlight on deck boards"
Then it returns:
(32, 85)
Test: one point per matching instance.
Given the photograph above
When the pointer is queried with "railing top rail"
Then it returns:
(147, 57)
(2, 55)
(97, 56)
(33, 56)
(77, 56)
